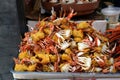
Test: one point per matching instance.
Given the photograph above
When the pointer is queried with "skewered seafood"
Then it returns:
(62, 45)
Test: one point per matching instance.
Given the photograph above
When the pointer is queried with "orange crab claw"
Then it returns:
(71, 14)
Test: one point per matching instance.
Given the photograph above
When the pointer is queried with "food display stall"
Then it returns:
(58, 47)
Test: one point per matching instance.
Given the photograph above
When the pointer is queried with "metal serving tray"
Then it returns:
(61, 75)
(69, 75)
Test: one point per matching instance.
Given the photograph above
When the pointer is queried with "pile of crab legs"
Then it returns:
(114, 37)
(51, 46)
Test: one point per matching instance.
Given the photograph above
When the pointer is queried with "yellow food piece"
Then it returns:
(98, 49)
(64, 26)
(78, 33)
(64, 21)
(45, 58)
(47, 30)
(53, 58)
(23, 54)
(20, 67)
(42, 24)
(68, 51)
(46, 68)
(66, 57)
(61, 65)
(94, 63)
(31, 67)
(34, 59)
(104, 38)
(39, 52)
(37, 36)
(83, 25)
(55, 38)
(77, 39)
(98, 54)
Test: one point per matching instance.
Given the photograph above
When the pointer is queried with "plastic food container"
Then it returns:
(111, 14)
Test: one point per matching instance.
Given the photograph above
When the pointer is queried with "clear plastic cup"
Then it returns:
(111, 14)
